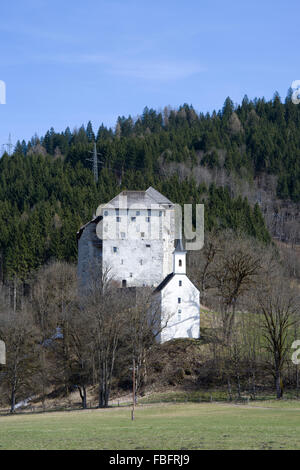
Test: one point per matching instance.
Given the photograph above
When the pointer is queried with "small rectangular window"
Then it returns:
(131, 274)
(142, 234)
(149, 212)
(147, 219)
(148, 246)
(115, 249)
(137, 213)
(160, 213)
(179, 300)
(133, 219)
(123, 234)
(179, 315)
(180, 283)
(117, 211)
(105, 213)
(118, 219)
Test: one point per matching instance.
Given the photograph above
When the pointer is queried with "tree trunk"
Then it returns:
(13, 401)
(238, 385)
(82, 392)
(15, 295)
(229, 389)
(13, 390)
(279, 386)
(103, 400)
(253, 385)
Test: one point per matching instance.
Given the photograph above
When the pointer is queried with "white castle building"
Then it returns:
(132, 240)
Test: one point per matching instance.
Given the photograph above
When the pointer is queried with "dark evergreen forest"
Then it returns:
(47, 188)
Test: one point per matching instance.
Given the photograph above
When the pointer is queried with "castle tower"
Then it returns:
(132, 238)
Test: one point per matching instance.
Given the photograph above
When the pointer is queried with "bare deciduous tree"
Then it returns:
(278, 306)
(20, 335)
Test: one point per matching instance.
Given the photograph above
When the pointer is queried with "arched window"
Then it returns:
(180, 262)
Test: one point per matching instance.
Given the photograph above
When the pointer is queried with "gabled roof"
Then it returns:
(151, 198)
(167, 279)
(164, 283)
(158, 197)
(95, 220)
(143, 199)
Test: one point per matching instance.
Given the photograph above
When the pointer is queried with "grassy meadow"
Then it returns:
(260, 425)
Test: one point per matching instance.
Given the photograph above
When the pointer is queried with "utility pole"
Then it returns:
(133, 390)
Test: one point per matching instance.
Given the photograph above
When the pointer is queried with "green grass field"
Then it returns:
(263, 425)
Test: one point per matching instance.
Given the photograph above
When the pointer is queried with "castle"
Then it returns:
(132, 240)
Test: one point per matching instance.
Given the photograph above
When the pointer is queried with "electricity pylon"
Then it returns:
(8, 146)
(95, 162)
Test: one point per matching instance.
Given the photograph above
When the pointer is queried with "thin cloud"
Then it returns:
(134, 68)
(162, 71)
(38, 33)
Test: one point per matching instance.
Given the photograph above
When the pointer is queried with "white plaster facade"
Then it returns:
(179, 302)
(133, 237)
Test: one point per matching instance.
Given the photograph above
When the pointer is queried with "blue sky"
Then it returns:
(67, 62)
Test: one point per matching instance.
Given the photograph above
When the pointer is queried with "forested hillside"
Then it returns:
(47, 188)
(242, 163)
